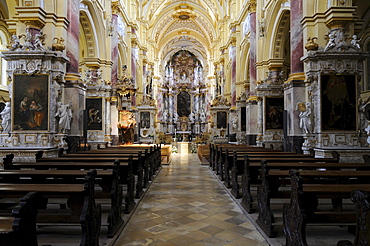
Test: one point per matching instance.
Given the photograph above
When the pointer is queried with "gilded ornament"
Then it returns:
(311, 45)
(58, 45)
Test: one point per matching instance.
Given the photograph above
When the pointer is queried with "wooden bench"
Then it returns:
(126, 176)
(108, 180)
(302, 209)
(251, 174)
(19, 227)
(226, 159)
(140, 164)
(81, 202)
(157, 151)
(362, 203)
(216, 151)
(273, 178)
(145, 165)
(237, 169)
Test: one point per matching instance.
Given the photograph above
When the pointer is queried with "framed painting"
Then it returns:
(183, 104)
(94, 114)
(274, 113)
(221, 119)
(339, 102)
(145, 119)
(31, 102)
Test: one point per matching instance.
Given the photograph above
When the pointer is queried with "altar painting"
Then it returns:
(31, 102)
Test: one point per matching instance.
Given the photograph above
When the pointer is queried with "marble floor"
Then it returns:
(186, 205)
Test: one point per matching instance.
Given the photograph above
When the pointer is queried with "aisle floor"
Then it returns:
(186, 205)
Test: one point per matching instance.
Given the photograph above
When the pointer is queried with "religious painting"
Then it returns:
(221, 120)
(94, 114)
(145, 119)
(31, 102)
(183, 104)
(274, 113)
(338, 108)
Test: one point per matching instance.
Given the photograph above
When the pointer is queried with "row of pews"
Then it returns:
(305, 191)
(79, 189)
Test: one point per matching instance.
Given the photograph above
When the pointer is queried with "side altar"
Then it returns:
(36, 117)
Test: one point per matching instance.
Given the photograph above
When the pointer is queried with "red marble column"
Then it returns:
(296, 36)
(252, 55)
(72, 43)
(133, 69)
(114, 54)
(233, 76)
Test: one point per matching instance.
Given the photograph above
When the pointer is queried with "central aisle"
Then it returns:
(186, 205)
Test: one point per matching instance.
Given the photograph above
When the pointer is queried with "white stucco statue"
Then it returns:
(304, 116)
(202, 116)
(175, 117)
(164, 116)
(362, 124)
(64, 113)
(234, 122)
(191, 117)
(6, 117)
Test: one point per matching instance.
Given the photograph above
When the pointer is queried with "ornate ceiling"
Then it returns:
(183, 25)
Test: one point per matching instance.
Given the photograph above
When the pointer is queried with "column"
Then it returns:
(114, 54)
(251, 105)
(252, 49)
(296, 92)
(296, 36)
(233, 73)
(74, 89)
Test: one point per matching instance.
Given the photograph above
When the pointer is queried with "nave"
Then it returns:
(186, 205)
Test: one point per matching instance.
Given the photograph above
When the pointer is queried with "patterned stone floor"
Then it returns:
(186, 205)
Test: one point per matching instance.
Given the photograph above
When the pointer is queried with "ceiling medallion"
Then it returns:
(184, 17)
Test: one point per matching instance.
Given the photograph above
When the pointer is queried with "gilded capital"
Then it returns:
(251, 6)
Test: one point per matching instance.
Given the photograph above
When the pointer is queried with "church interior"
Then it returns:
(185, 75)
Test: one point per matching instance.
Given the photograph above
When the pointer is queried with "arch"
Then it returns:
(281, 34)
(89, 34)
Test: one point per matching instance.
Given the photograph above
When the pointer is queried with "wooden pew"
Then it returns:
(140, 164)
(237, 167)
(136, 162)
(155, 151)
(252, 170)
(224, 156)
(81, 201)
(302, 211)
(362, 203)
(19, 227)
(274, 177)
(227, 159)
(145, 165)
(217, 150)
(126, 175)
(108, 180)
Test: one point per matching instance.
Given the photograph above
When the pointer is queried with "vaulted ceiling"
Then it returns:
(183, 25)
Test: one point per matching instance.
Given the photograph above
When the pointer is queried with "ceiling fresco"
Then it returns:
(177, 25)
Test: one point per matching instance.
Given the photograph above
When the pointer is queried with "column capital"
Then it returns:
(251, 6)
